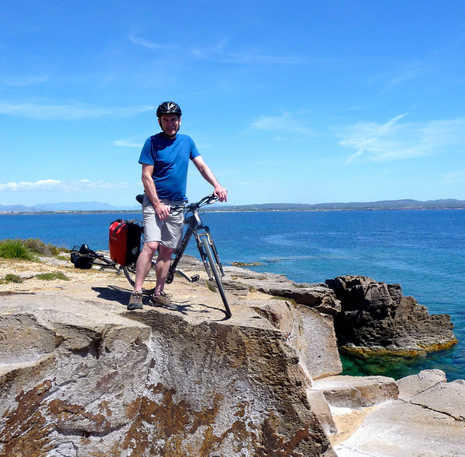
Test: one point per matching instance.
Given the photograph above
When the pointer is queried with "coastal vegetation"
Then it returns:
(15, 249)
(27, 249)
(52, 276)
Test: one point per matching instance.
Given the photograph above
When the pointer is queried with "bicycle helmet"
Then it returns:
(169, 108)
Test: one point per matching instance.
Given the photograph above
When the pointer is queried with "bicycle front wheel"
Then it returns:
(216, 274)
(130, 273)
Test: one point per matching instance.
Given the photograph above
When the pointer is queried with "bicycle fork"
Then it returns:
(203, 254)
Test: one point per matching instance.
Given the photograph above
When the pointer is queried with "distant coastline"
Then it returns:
(385, 205)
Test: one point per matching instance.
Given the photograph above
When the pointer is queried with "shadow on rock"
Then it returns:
(113, 293)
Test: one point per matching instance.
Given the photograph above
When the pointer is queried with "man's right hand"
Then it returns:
(162, 211)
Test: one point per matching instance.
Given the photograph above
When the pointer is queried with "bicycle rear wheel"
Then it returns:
(216, 274)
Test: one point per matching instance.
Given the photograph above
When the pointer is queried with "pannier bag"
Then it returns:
(124, 241)
(82, 258)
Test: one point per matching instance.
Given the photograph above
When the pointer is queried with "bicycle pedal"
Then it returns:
(195, 278)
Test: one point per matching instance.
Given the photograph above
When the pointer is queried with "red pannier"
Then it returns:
(124, 241)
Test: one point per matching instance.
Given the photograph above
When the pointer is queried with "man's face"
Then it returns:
(170, 124)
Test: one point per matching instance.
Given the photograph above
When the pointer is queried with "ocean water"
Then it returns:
(424, 251)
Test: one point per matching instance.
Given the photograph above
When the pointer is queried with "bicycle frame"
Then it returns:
(198, 229)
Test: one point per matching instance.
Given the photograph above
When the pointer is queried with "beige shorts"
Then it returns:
(167, 232)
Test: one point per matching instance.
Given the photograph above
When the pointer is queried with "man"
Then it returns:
(165, 159)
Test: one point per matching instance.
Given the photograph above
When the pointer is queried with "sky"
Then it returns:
(287, 102)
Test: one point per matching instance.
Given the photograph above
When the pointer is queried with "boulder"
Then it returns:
(377, 318)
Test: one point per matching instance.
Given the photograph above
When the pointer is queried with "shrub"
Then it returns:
(39, 247)
(53, 275)
(15, 249)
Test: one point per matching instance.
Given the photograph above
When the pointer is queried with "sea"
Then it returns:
(422, 250)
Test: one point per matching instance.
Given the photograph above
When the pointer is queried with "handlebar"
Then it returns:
(208, 200)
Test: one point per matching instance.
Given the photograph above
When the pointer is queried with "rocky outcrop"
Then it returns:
(371, 317)
(82, 379)
(317, 296)
(377, 318)
(82, 376)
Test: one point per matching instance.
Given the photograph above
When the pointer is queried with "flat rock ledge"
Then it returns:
(82, 376)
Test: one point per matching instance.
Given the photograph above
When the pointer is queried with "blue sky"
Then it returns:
(298, 101)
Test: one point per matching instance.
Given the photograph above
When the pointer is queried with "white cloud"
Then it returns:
(219, 53)
(410, 72)
(43, 184)
(149, 44)
(24, 81)
(285, 123)
(68, 112)
(57, 185)
(127, 144)
(395, 140)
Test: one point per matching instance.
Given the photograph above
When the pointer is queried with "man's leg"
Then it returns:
(162, 268)
(144, 263)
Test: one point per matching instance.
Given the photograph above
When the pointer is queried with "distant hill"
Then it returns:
(378, 205)
(58, 207)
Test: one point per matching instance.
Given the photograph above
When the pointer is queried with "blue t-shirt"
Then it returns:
(170, 159)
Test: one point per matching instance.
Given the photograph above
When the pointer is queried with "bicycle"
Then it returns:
(205, 244)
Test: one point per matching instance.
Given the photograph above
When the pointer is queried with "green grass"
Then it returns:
(11, 278)
(52, 276)
(15, 249)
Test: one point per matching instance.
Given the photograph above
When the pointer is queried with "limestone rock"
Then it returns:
(310, 333)
(376, 317)
(417, 383)
(399, 429)
(445, 397)
(356, 391)
(96, 380)
(316, 296)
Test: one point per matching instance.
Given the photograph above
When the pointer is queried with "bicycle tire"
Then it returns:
(216, 275)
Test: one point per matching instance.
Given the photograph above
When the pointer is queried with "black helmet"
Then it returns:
(169, 108)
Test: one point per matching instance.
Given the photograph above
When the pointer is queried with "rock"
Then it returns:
(377, 318)
(98, 380)
(321, 410)
(399, 429)
(417, 383)
(317, 296)
(356, 391)
(310, 333)
(445, 397)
